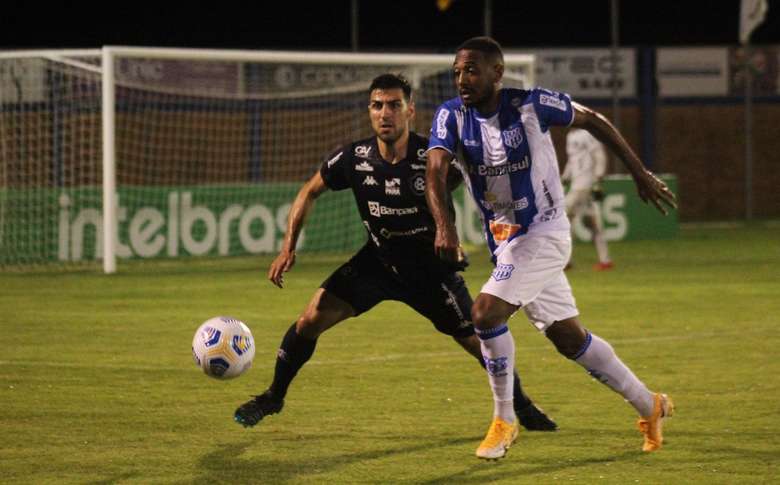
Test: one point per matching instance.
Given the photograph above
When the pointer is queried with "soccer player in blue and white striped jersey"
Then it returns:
(501, 141)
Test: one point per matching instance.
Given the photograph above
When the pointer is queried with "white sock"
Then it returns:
(600, 360)
(498, 350)
(601, 246)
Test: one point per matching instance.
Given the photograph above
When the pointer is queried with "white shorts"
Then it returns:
(529, 274)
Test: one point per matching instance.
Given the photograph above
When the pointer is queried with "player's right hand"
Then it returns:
(282, 264)
(447, 246)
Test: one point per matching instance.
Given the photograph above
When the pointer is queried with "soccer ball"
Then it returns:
(223, 347)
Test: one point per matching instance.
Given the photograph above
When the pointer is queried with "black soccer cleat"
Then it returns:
(251, 412)
(533, 419)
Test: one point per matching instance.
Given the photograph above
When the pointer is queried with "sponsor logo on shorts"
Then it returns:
(502, 272)
(496, 367)
(364, 166)
(441, 123)
(378, 210)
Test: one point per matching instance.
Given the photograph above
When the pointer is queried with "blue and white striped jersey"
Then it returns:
(508, 160)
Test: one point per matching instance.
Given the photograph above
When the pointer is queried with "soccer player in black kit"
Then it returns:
(386, 174)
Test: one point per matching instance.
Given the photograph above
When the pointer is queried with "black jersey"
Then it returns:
(390, 199)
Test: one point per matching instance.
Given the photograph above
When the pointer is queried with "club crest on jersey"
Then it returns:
(496, 367)
(364, 166)
(362, 151)
(393, 186)
(513, 138)
(417, 184)
(502, 272)
(370, 180)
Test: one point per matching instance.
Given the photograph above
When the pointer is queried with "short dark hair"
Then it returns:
(391, 81)
(486, 45)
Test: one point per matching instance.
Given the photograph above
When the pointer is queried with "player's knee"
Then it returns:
(568, 336)
(483, 316)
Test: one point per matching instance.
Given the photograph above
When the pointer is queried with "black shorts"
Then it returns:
(441, 297)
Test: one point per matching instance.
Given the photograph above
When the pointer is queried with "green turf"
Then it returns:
(97, 384)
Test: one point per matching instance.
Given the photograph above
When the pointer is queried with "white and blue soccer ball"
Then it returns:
(223, 347)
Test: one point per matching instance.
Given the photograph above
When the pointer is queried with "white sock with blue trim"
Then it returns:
(600, 360)
(498, 350)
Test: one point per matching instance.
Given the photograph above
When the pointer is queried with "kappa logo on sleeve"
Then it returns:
(502, 272)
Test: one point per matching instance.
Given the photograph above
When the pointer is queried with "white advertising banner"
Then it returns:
(695, 71)
(585, 73)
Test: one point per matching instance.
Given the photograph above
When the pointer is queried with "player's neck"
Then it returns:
(489, 107)
(393, 152)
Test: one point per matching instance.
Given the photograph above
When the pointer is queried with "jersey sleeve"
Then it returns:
(444, 131)
(335, 169)
(552, 108)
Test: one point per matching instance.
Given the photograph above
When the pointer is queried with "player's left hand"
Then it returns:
(447, 246)
(282, 264)
(654, 190)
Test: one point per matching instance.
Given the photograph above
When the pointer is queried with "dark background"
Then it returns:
(403, 25)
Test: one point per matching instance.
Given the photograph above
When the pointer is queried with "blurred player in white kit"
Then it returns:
(585, 167)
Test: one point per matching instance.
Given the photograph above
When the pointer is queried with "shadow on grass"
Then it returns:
(226, 465)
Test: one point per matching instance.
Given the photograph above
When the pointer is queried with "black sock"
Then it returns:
(295, 351)
(521, 400)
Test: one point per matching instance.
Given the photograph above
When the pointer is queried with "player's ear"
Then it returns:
(498, 69)
(410, 110)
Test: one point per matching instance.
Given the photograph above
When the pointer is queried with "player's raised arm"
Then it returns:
(650, 188)
(436, 193)
(300, 209)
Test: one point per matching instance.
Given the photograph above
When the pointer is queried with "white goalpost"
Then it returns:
(133, 153)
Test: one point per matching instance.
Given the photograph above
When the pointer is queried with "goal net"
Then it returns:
(130, 153)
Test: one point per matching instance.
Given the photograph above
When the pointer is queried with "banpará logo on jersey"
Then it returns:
(417, 184)
(364, 166)
(552, 101)
(393, 186)
(370, 180)
(503, 169)
(422, 154)
(502, 272)
(362, 151)
(513, 138)
(441, 123)
(518, 205)
(335, 159)
(378, 210)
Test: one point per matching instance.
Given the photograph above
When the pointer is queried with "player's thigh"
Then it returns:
(361, 282)
(554, 303)
(445, 301)
(323, 311)
(577, 202)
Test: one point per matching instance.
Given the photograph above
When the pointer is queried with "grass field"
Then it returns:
(97, 384)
